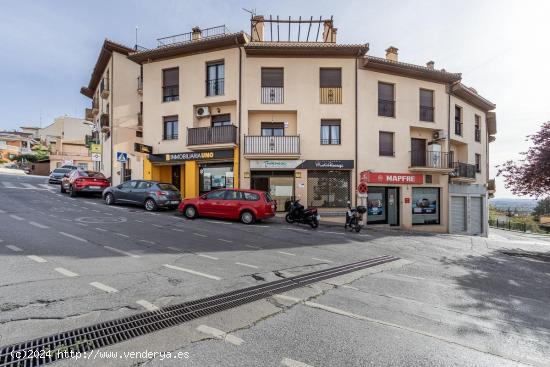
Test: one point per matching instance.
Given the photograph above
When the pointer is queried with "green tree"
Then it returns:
(542, 208)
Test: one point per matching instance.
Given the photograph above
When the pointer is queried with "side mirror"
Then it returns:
(203, 197)
(119, 187)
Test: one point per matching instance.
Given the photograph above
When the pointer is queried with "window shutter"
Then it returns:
(426, 98)
(171, 77)
(331, 78)
(272, 77)
(385, 91)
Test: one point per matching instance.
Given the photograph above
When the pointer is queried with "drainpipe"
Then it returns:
(448, 154)
(111, 119)
(240, 116)
(356, 130)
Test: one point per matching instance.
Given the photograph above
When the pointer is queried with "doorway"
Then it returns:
(176, 176)
(418, 152)
(279, 184)
(383, 205)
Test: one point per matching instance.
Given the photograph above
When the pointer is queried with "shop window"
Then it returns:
(213, 177)
(376, 204)
(425, 205)
(328, 189)
(330, 132)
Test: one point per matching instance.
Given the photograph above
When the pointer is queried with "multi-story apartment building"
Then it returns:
(312, 119)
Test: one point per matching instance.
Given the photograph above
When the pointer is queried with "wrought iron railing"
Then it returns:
(289, 144)
(104, 85)
(429, 159)
(170, 93)
(426, 113)
(215, 87)
(458, 127)
(477, 135)
(386, 108)
(212, 135)
(192, 36)
(333, 141)
(464, 170)
(331, 95)
(273, 95)
(104, 120)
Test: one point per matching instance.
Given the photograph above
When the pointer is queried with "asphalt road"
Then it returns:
(450, 301)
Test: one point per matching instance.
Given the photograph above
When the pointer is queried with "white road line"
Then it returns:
(177, 230)
(73, 237)
(38, 259)
(66, 219)
(248, 265)
(220, 334)
(349, 287)
(147, 305)
(217, 222)
(28, 185)
(121, 252)
(330, 232)
(101, 229)
(292, 363)
(323, 260)
(228, 241)
(14, 248)
(157, 225)
(46, 186)
(208, 256)
(297, 229)
(122, 235)
(53, 215)
(193, 272)
(252, 246)
(38, 225)
(8, 185)
(66, 272)
(286, 253)
(82, 224)
(365, 235)
(139, 221)
(146, 241)
(16, 217)
(103, 287)
(199, 234)
(95, 210)
(107, 213)
(173, 249)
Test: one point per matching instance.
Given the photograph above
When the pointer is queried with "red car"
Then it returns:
(80, 181)
(245, 205)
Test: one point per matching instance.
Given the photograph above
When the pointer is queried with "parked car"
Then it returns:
(244, 205)
(151, 194)
(81, 181)
(56, 176)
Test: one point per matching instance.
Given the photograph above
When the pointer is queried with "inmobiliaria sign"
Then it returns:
(392, 178)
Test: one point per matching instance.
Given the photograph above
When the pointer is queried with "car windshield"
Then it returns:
(168, 187)
(91, 174)
(61, 170)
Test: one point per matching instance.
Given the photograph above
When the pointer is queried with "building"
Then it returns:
(310, 118)
(14, 144)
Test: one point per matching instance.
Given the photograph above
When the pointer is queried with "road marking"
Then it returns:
(217, 222)
(38, 225)
(297, 229)
(101, 229)
(8, 185)
(178, 230)
(286, 253)
(208, 256)
(220, 334)
(228, 241)
(350, 287)
(199, 234)
(38, 259)
(16, 217)
(66, 272)
(121, 252)
(82, 224)
(122, 235)
(292, 363)
(365, 235)
(173, 249)
(46, 186)
(139, 221)
(95, 210)
(14, 248)
(53, 215)
(147, 305)
(193, 272)
(28, 185)
(157, 225)
(248, 265)
(73, 237)
(323, 260)
(67, 220)
(251, 246)
(146, 241)
(107, 213)
(2, 211)
(330, 232)
(103, 287)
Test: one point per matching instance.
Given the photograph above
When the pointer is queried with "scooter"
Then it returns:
(297, 213)
(354, 217)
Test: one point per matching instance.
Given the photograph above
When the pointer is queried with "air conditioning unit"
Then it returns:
(439, 135)
(203, 111)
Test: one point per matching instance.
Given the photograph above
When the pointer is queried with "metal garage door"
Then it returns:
(476, 217)
(458, 214)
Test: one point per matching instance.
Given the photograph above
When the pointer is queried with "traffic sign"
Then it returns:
(96, 157)
(122, 156)
(362, 188)
(95, 148)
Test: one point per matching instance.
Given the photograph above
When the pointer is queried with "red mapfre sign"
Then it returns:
(392, 178)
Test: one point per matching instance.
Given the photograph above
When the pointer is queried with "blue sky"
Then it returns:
(49, 48)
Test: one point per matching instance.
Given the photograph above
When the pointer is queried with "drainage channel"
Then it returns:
(41, 351)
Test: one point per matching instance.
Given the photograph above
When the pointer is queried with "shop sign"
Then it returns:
(326, 164)
(191, 156)
(142, 148)
(274, 164)
(392, 178)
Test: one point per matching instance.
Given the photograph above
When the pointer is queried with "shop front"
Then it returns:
(329, 182)
(275, 177)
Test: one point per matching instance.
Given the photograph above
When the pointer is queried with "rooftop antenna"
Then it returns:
(136, 45)
(251, 11)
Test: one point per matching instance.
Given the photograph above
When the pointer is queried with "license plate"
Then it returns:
(174, 202)
(318, 217)
(95, 187)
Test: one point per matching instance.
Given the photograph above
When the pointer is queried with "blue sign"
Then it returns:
(122, 156)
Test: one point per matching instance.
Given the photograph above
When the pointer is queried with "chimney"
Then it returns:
(329, 33)
(257, 24)
(391, 53)
(430, 65)
(334, 30)
(196, 33)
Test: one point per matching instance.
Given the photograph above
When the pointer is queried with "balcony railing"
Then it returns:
(478, 135)
(276, 145)
(192, 36)
(386, 108)
(140, 84)
(426, 113)
(430, 159)
(170, 93)
(95, 106)
(491, 185)
(104, 88)
(273, 95)
(104, 121)
(140, 119)
(458, 127)
(212, 135)
(89, 116)
(331, 95)
(215, 87)
(463, 170)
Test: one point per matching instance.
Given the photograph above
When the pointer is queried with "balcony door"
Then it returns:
(273, 129)
(418, 152)
(221, 120)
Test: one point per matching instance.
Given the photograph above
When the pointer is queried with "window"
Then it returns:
(139, 134)
(170, 85)
(250, 196)
(167, 187)
(426, 105)
(216, 195)
(83, 166)
(330, 132)
(272, 85)
(425, 205)
(331, 85)
(477, 130)
(144, 185)
(478, 163)
(385, 144)
(458, 120)
(386, 102)
(232, 195)
(170, 128)
(328, 188)
(215, 74)
(128, 185)
(221, 120)
(273, 129)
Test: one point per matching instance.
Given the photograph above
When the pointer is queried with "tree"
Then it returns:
(530, 176)
(542, 208)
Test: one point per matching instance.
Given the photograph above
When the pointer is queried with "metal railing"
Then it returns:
(254, 144)
(215, 87)
(386, 108)
(464, 170)
(458, 127)
(273, 95)
(104, 120)
(172, 136)
(104, 86)
(426, 113)
(89, 116)
(331, 95)
(508, 225)
(330, 141)
(477, 133)
(429, 159)
(212, 135)
(193, 36)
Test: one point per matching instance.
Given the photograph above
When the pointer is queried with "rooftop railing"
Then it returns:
(192, 36)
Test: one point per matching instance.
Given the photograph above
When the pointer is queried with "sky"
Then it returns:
(49, 48)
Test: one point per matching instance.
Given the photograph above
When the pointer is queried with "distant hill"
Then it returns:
(519, 205)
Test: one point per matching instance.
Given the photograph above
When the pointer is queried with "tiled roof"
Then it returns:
(466, 93)
(306, 48)
(381, 64)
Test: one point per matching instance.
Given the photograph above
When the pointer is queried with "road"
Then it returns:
(449, 300)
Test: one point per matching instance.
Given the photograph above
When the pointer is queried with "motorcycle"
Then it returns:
(297, 213)
(354, 218)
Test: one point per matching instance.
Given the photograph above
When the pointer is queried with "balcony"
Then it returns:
(491, 187)
(104, 122)
(463, 171)
(430, 161)
(287, 146)
(426, 114)
(104, 88)
(215, 87)
(477, 135)
(210, 137)
(458, 128)
(88, 115)
(273, 95)
(331, 95)
(95, 106)
(140, 85)
(386, 108)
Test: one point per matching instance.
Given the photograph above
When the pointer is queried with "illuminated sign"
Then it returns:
(191, 156)
(392, 178)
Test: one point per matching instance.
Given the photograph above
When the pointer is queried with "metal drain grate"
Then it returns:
(31, 353)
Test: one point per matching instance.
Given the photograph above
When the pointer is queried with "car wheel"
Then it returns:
(72, 193)
(190, 212)
(288, 218)
(150, 205)
(62, 189)
(247, 217)
(109, 199)
(314, 223)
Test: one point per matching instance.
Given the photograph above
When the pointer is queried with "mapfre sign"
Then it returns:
(392, 178)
